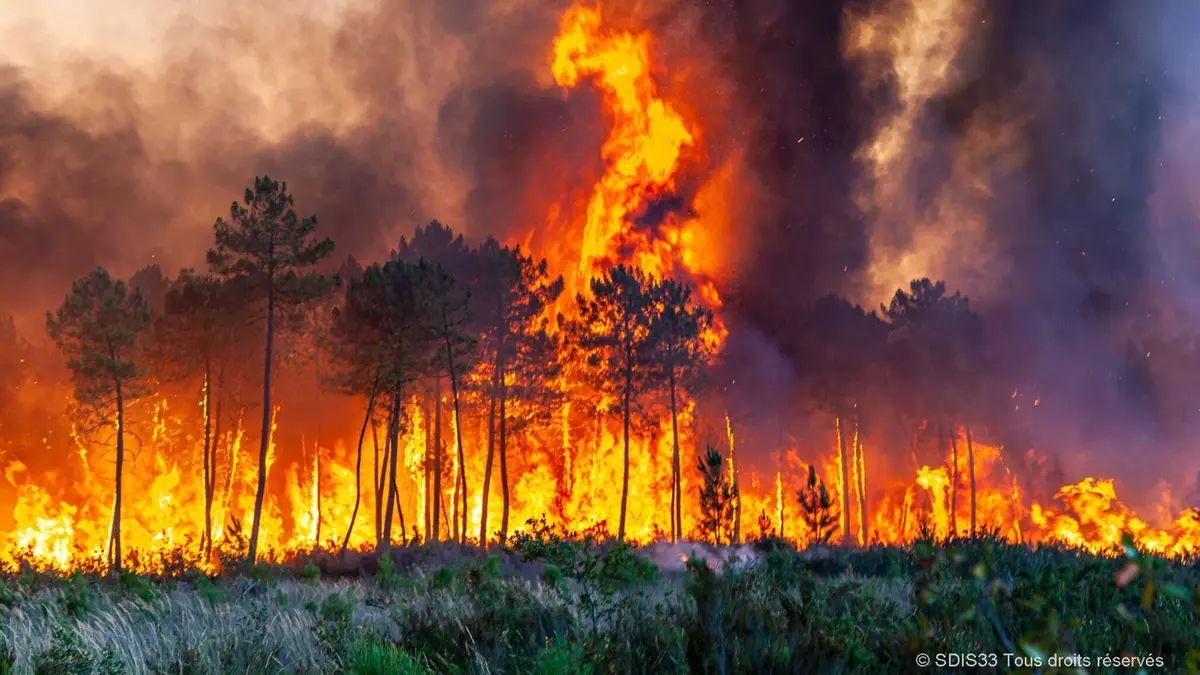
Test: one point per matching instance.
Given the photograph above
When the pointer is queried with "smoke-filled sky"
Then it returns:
(1040, 156)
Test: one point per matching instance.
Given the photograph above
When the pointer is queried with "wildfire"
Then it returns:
(565, 468)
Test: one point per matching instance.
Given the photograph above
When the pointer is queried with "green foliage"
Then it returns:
(334, 622)
(268, 249)
(817, 509)
(77, 596)
(99, 328)
(370, 657)
(311, 572)
(386, 576)
(68, 656)
(135, 585)
(717, 497)
(562, 658)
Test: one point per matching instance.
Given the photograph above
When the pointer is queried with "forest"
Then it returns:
(484, 329)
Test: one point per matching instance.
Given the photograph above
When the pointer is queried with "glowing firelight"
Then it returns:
(61, 519)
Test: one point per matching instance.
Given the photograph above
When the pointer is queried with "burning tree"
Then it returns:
(511, 305)
(816, 507)
(613, 330)
(439, 245)
(196, 333)
(386, 338)
(265, 247)
(100, 327)
(677, 330)
(840, 347)
(716, 498)
(936, 357)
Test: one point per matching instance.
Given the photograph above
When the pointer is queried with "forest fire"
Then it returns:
(476, 453)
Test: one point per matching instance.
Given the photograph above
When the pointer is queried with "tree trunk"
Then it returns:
(954, 481)
(392, 497)
(625, 409)
(676, 487)
(377, 486)
(487, 469)
(116, 524)
(737, 492)
(437, 458)
(861, 462)
(427, 461)
(206, 541)
(266, 421)
(362, 435)
(211, 486)
(503, 455)
(462, 463)
(382, 487)
(317, 488)
(844, 461)
(971, 475)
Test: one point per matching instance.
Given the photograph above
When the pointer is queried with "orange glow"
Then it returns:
(567, 466)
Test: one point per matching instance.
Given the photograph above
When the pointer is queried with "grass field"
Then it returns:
(550, 604)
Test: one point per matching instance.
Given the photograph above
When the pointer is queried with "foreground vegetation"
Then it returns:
(556, 604)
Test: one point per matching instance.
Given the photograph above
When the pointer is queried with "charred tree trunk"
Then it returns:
(265, 441)
(210, 487)
(971, 475)
(676, 487)
(954, 481)
(206, 541)
(362, 435)
(737, 492)
(115, 559)
(427, 462)
(377, 486)
(462, 463)
(487, 468)
(394, 452)
(503, 455)
(844, 462)
(861, 459)
(625, 409)
(317, 488)
(437, 459)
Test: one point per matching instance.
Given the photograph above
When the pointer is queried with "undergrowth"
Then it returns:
(578, 603)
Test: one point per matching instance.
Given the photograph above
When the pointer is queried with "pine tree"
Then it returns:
(677, 330)
(510, 303)
(271, 252)
(716, 498)
(816, 507)
(101, 327)
(613, 331)
(199, 327)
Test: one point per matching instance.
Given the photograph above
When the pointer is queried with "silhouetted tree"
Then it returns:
(439, 245)
(153, 286)
(271, 252)
(677, 331)
(199, 326)
(716, 498)
(839, 348)
(100, 328)
(816, 507)
(510, 305)
(388, 337)
(936, 356)
(613, 330)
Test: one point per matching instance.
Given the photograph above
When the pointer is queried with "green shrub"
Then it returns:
(368, 657)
